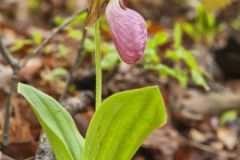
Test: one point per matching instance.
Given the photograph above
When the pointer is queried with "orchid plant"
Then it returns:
(122, 121)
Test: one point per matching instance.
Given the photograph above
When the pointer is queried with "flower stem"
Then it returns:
(98, 66)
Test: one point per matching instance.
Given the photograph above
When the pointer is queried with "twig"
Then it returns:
(9, 106)
(75, 65)
(6, 54)
(17, 65)
(39, 50)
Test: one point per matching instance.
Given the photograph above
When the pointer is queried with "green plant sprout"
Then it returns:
(204, 28)
(123, 120)
(177, 54)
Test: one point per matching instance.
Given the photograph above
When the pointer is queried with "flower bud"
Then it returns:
(129, 31)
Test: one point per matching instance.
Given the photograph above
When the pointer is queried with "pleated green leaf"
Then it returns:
(60, 128)
(122, 122)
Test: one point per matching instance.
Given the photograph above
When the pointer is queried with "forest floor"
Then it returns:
(202, 124)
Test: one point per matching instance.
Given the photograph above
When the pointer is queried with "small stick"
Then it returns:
(15, 67)
(6, 54)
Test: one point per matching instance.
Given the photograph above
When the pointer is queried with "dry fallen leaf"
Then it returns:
(5, 77)
(159, 141)
(217, 146)
(20, 138)
(227, 136)
(197, 135)
(31, 68)
(4, 157)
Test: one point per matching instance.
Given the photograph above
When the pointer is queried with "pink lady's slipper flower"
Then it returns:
(129, 31)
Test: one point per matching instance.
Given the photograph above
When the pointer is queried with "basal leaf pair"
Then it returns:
(116, 131)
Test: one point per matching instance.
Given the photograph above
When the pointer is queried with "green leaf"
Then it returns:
(177, 34)
(48, 49)
(150, 53)
(79, 19)
(107, 48)
(151, 43)
(109, 61)
(33, 4)
(199, 79)
(175, 55)
(161, 38)
(59, 71)
(165, 71)
(189, 29)
(60, 128)
(122, 122)
(206, 22)
(59, 20)
(228, 116)
(63, 50)
(37, 37)
(189, 59)
(19, 44)
(236, 23)
(75, 34)
(89, 45)
(150, 56)
(181, 76)
(177, 73)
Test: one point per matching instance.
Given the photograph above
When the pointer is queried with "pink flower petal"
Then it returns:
(129, 31)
